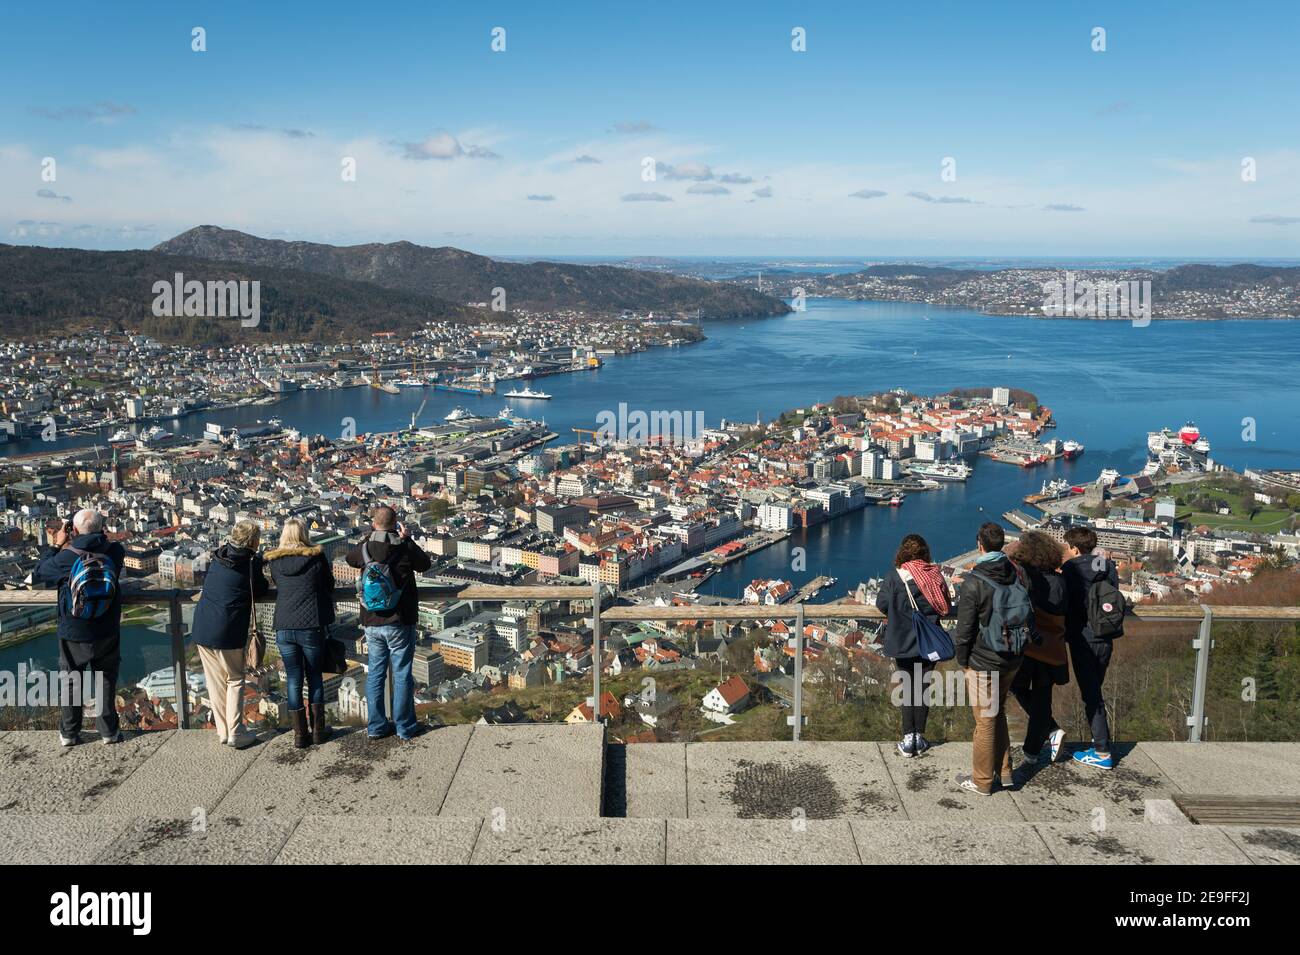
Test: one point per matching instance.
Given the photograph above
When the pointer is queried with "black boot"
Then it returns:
(320, 732)
(301, 739)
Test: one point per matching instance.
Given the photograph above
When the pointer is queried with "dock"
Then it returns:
(811, 589)
(1021, 520)
(749, 545)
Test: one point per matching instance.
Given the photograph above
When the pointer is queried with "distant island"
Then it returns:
(1183, 292)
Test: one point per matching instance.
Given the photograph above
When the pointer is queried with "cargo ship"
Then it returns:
(1183, 450)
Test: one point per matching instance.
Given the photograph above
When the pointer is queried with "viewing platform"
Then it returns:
(547, 793)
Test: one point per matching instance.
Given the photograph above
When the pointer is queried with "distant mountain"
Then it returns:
(460, 276)
(48, 291)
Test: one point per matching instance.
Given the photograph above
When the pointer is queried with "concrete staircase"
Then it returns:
(555, 793)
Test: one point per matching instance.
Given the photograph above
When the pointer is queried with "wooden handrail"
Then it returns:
(492, 593)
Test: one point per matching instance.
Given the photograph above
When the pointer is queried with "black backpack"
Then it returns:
(1106, 607)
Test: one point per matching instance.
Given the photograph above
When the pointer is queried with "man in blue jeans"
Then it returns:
(390, 635)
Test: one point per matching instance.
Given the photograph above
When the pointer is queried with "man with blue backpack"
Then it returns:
(85, 566)
(995, 622)
(386, 589)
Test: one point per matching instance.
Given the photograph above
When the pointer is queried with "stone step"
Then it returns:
(358, 839)
(466, 771)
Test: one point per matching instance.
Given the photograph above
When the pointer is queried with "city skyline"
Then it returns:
(542, 148)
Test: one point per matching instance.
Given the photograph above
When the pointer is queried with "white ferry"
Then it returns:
(457, 413)
(528, 393)
(942, 471)
(154, 435)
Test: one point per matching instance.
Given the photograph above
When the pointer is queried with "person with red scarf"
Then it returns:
(916, 582)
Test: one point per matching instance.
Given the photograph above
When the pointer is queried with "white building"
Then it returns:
(774, 516)
(730, 696)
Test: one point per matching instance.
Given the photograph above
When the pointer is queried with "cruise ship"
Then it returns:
(527, 392)
(942, 471)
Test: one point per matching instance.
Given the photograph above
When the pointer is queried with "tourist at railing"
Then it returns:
(994, 622)
(386, 589)
(304, 609)
(1046, 664)
(914, 584)
(85, 566)
(1092, 601)
(221, 618)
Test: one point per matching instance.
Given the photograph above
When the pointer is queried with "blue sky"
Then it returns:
(756, 148)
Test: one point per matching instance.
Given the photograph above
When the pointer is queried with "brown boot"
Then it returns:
(320, 732)
(301, 739)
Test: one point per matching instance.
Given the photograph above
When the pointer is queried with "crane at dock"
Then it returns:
(415, 415)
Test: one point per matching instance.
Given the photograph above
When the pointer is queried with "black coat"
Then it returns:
(974, 607)
(1080, 574)
(899, 641)
(53, 571)
(304, 588)
(226, 603)
(405, 559)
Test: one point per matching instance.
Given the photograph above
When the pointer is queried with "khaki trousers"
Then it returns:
(224, 671)
(987, 691)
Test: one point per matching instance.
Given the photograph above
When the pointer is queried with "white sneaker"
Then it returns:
(1054, 743)
(110, 740)
(68, 740)
(241, 738)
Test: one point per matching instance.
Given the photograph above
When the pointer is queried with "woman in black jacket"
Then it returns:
(917, 583)
(220, 628)
(304, 608)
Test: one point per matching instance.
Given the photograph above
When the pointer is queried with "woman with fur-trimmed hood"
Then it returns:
(304, 609)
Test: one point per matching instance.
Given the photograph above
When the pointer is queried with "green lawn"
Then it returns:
(1265, 522)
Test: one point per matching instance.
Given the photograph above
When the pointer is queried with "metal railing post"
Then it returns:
(595, 651)
(796, 720)
(176, 627)
(1203, 643)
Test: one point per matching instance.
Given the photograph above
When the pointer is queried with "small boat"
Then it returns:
(528, 393)
(896, 500)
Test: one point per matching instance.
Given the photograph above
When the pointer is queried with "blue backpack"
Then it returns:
(377, 591)
(92, 585)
